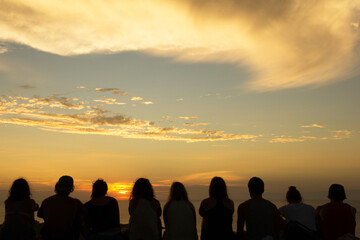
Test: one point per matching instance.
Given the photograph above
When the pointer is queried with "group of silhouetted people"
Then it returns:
(66, 218)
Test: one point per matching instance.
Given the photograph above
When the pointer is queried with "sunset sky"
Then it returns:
(180, 90)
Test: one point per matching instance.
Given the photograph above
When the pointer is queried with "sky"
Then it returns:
(181, 91)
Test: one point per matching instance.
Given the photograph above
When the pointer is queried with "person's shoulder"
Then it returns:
(207, 201)
(270, 203)
(321, 208)
(88, 204)
(244, 204)
(167, 205)
(190, 204)
(283, 208)
(111, 199)
(49, 199)
(75, 200)
(228, 203)
(154, 201)
(307, 206)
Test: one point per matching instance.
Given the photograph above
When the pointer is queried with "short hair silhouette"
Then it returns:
(65, 185)
(178, 192)
(19, 190)
(337, 192)
(256, 186)
(218, 188)
(99, 188)
(142, 189)
(293, 195)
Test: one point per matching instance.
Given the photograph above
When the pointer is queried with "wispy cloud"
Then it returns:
(147, 103)
(286, 140)
(341, 134)
(115, 91)
(211, 95)
(286, 44)
(54, 101)
(195, 124)
(290, 139)
(315, 125)
(87, 119)
(3, 49)
(136, 98)
(188, 117)
(109, 101)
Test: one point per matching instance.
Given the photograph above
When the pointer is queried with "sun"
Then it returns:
(120, 191)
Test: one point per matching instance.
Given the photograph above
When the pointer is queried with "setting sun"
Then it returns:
(120, 191)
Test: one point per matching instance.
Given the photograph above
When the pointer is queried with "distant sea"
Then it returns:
(124, 215)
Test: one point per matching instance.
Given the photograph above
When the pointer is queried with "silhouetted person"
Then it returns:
(145, 212)
(336, 218)
(217, 212)
(179, 215)
(63, 215)
(261, 217)
(103, 214)
(300, 217)
(19, 213)
(298, 211)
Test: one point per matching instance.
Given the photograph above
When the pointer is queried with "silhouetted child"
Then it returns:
(63, 215)
(19, 213)
(217, 212)
(261, 217)
(336, 218)
(145, 212)
(179, 215)
(103, 214)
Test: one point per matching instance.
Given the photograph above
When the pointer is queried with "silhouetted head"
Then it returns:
(178, 192)
(256, 186)
(337, 192)
(218, 189)
(99, 189)
(293, 195)
(65, 185)
(142, 189)
(19, 190)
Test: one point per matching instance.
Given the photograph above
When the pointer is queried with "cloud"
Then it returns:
(26, 87)
(286, 140)
(54, 101)
(285, 44)
(289, 139)
(3, 49)
(81, 87)
(211, 95)
(188, 117)
(136, 98)
(315, 125)
(109, 101)
(147, 103)
(341, 134)
(179, 99)
(88, 119)
(115, 91)
(195, 124)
